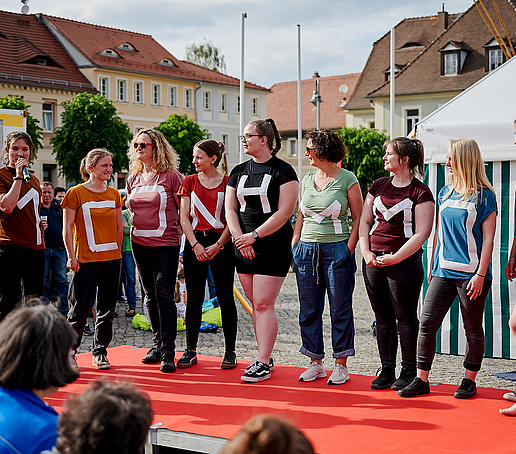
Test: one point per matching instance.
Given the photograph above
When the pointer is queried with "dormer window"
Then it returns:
(494, 55)
(166, 62)
(453, 56)
(387, 72)
(411, 45)
(126, 46)
(109, 53)
(41, 61)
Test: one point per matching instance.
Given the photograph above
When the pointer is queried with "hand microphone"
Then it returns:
(25, 172)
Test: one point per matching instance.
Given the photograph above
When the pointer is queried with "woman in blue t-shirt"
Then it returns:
(463, 244)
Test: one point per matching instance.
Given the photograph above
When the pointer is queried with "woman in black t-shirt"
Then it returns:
(396, 220)
(260, 198)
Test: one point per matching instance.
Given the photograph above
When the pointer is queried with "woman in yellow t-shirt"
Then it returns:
(93, 235)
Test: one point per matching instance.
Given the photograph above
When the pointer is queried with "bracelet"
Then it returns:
(512, 256)
(195, 244)
(17, 178)
(219, 245)
(480, 275)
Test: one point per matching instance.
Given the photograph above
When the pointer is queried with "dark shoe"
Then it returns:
(87, 331)
(130, 313)
(229, 361)
(167, 363)
(405, 378)
(153, 356)
(256, 372)
(466, 390)
(188, 359)
(101, 361)
(386, 378)
(271, 363)
(415, 388)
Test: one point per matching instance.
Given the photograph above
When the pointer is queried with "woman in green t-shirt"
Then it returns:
(323, 249)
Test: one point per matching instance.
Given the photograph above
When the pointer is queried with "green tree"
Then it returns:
(207, 55)
(89, 121)
(365, 153)
(182, 133)
(33, 128)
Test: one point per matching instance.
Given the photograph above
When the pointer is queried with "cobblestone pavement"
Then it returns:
(446, 368)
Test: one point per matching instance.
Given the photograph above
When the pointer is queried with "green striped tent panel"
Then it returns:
(499, 343)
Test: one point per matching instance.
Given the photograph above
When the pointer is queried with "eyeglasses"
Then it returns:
(142, 145)
(247, 136)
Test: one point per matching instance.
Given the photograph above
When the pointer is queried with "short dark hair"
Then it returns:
(59, 189)
(35, 344)
(106, 418)
(328, 145)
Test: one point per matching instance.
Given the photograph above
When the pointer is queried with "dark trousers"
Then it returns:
(438, 300)
(394, 293)
(223, 271)
(55, 267)
(91, 276)
(158, 271)
(19, 264)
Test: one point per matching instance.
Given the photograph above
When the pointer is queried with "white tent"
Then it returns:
(486, 112)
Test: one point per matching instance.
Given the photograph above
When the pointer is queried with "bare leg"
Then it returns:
(511, 411)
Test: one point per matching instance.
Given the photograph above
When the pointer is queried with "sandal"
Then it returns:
(511, 397)
(130, 313)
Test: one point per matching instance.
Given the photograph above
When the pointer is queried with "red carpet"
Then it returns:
(349, 418)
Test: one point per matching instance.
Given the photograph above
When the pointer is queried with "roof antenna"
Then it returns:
(443, 6)
(25, 7)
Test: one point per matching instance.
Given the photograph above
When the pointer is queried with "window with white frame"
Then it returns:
(412, 117)
(223, 102)
(121, 90)
(172, 96)
(156, 94)
(495, 58)
(206, 100)
(138, 92)
(188, 98)
(48, 117)
(209, 135)
(225, 141)
(292, 147)
(238, 104)
(254, 106)
(450, 63)
(137, 129)
(104, 86)
(371, 124)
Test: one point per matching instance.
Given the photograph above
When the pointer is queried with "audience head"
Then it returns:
(47, 192)
(59, 193)
(327, 145)
(410, 152)
(211, 148)
(35, 346)
(107, 418)
(267, 434)
(164, 157)
(91, 160)
(11, 138)
(267, 128)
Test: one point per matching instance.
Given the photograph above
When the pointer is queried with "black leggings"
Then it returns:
(394, 293)
(223, 271)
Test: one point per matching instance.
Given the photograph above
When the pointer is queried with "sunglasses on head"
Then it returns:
(142, 145)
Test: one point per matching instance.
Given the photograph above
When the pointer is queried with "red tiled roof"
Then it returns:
(209, 75)
(23, 39)
(282, 102)
(468, 32)
(419, 30)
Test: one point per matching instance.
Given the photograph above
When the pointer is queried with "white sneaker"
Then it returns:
(315, 370)
(339, 375)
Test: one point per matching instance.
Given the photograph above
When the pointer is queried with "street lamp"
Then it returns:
(316, 99)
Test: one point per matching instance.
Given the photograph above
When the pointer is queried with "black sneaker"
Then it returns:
(271, 364)
(167, 363)
(153, 356)
(256, 372)
(188, 359)
(100, 361)
(87, 331)
(415, 388)
(229, 361)
(386, 378)
(405, 378)
(466, 390)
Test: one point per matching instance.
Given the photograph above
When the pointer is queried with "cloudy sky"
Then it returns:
(336, 35)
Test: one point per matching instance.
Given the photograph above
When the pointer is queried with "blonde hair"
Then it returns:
(164, 158)
(91, 160)
(468, 170)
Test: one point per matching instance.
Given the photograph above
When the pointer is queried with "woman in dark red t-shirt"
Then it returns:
(396, 220)
(207, 245)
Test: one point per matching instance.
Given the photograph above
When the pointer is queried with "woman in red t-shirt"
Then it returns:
(396, 220)
(204, 224)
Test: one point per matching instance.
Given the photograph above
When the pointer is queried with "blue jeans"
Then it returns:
(325, 268)
(55, 263)
(130, 278)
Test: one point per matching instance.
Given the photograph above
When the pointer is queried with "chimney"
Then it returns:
(442, 20)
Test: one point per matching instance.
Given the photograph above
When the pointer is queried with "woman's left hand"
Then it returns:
(386, 260)
(212, 250)
(474, 287)
(244, 240)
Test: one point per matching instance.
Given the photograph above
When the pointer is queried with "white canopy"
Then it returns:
(485, 112)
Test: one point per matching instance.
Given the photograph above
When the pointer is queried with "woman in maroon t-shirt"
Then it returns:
(396, 220)
(207, 245)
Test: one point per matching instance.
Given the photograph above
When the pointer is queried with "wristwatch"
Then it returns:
(255, 234)
(17, 178)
